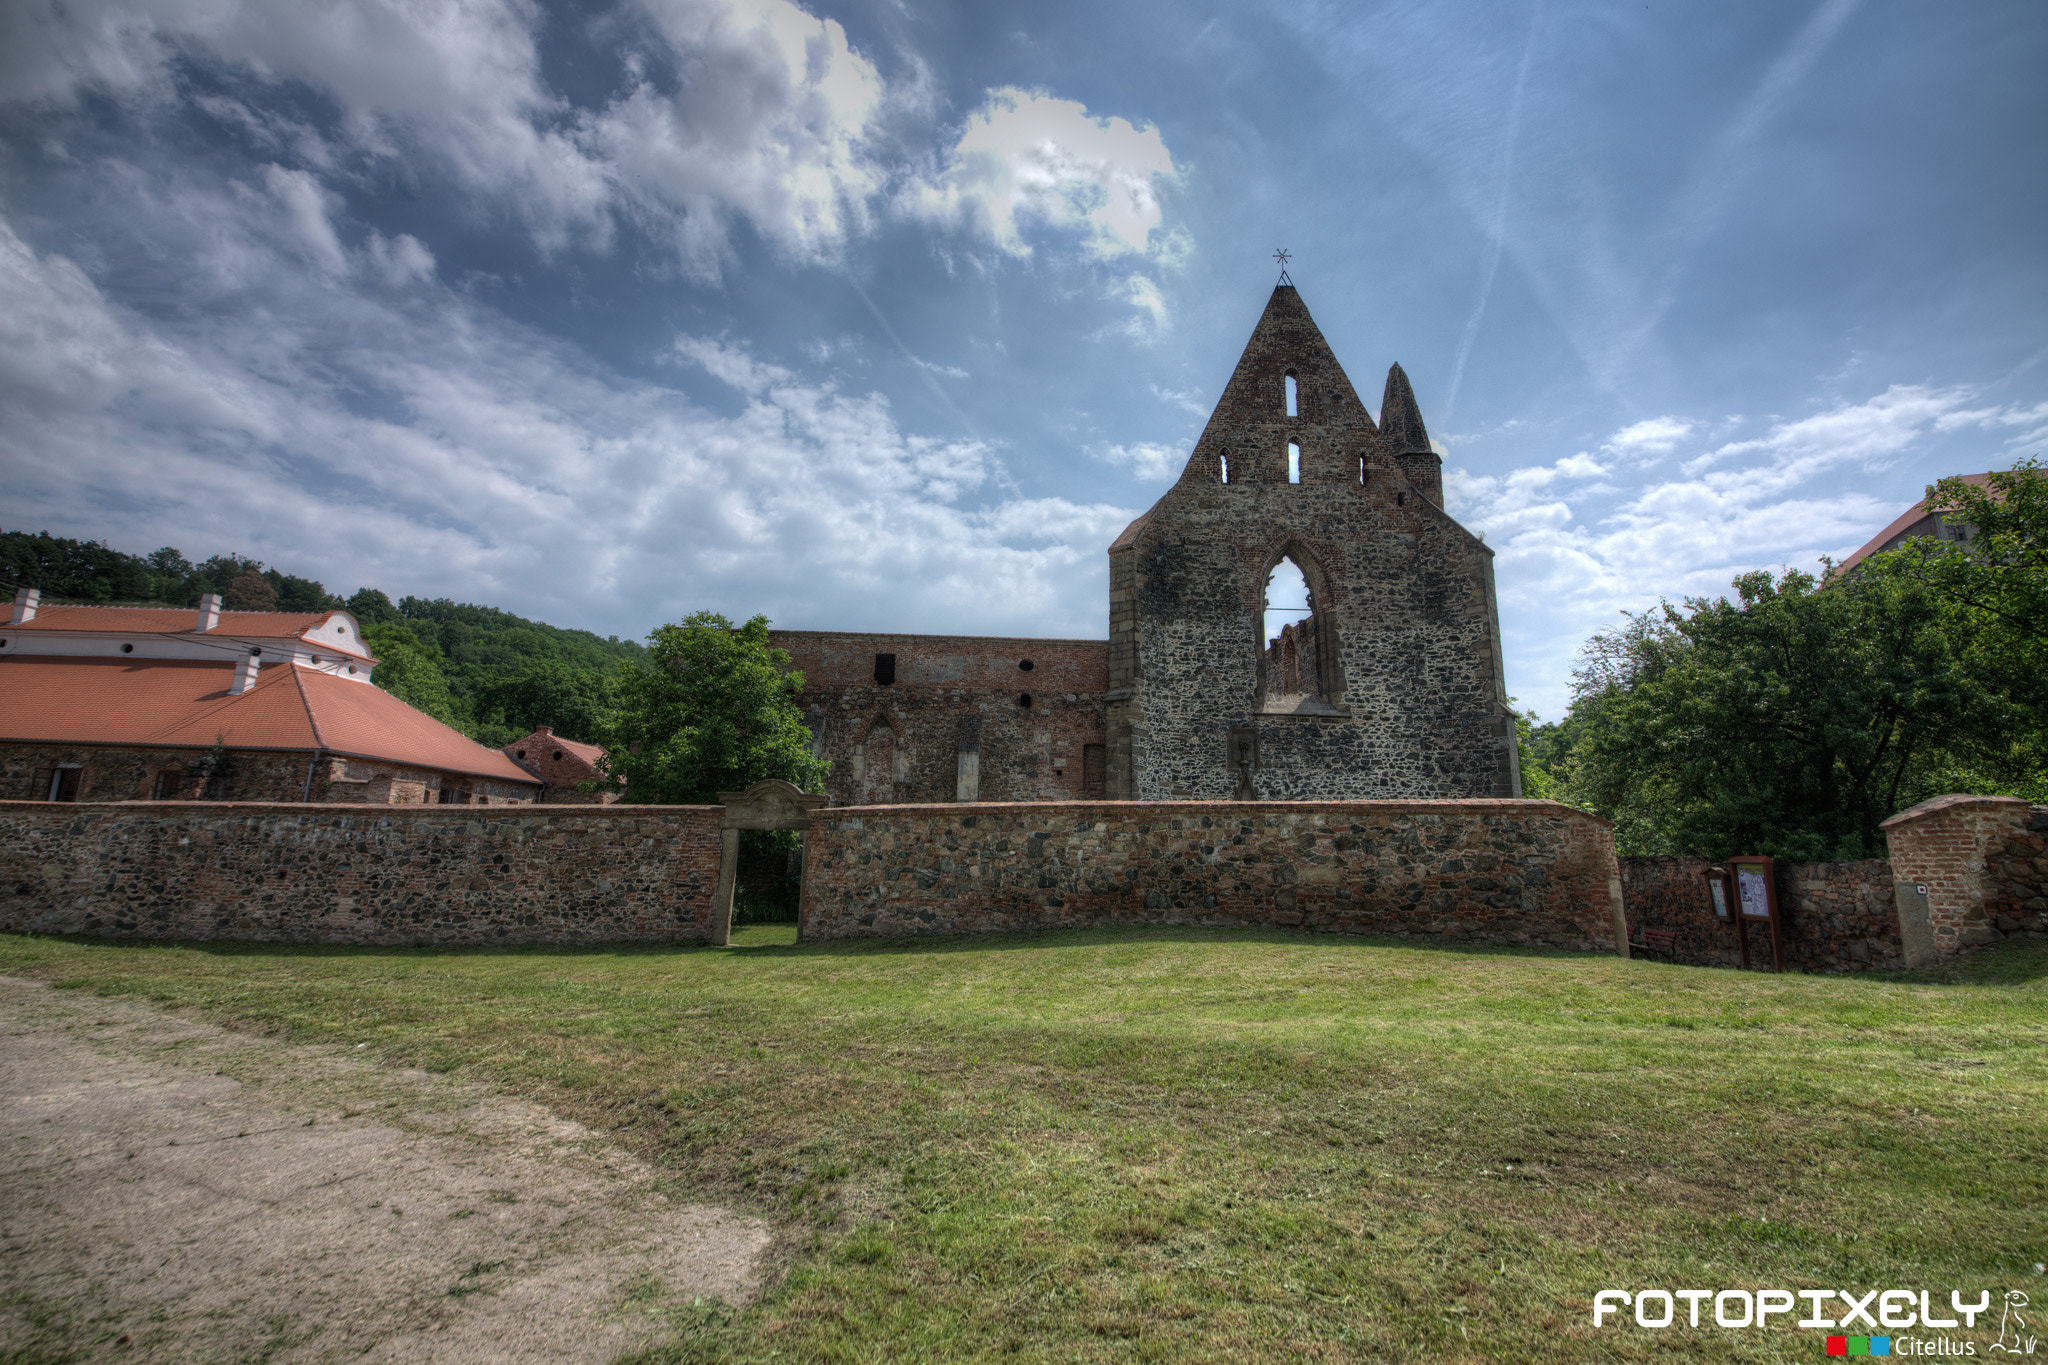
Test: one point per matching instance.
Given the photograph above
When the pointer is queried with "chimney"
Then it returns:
(25, 600)
(209, 611)
(246, 669)
(544, 730)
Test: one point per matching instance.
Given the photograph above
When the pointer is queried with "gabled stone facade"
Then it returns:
(1404, 694)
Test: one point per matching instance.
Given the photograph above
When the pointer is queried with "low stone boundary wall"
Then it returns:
(1482, 871)
(1834, 917)
(430, 875)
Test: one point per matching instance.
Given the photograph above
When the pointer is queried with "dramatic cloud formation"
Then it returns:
(1026, 156)
(892, 316)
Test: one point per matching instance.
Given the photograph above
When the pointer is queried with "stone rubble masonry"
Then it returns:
(1984, 862)
(1408, 678)
(421, 875)
(1531, 873)
(116, 773)
(901, 742)
(1833, 917)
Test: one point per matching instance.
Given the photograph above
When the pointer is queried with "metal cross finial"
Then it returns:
(1284, 256)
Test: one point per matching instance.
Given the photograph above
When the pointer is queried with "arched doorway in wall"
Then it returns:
(1297, 668)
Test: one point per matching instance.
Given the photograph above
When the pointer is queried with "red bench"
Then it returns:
(1663, 941)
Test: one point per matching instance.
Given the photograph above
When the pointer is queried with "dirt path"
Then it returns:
(174, 1191)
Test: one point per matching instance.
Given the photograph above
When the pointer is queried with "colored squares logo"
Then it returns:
(1859, 1346)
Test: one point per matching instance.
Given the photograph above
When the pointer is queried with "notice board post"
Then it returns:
(1756, 896)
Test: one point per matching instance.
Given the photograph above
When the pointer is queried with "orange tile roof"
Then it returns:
(47, 699)
(171, 620)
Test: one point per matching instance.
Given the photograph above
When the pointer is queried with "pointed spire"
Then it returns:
(1400, 418)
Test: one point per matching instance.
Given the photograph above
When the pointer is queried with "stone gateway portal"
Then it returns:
(1383, 681)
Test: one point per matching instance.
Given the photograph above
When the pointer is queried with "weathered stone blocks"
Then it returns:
(1518, 872)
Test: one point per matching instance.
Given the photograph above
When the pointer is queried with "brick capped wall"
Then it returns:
(437, 875)
(900, 742)
(1409, 699)
(1835, 917)
(1515, 872)
(1984, 862)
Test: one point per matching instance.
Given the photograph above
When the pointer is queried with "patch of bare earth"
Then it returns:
(174, 1191)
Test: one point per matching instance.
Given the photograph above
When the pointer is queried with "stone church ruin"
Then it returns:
(1387, 682)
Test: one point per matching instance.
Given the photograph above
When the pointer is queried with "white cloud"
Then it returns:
(1147, 460)
(1027, 157)
(765, 119)
(1652, 436)
(749, 111)
(1572, 549)
(419, 442)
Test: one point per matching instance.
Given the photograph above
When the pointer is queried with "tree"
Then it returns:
(717, 710)
(249, 592)
(1789, 722)
(1992, 588)
(372, 608)
(574, 702)
(410, 670)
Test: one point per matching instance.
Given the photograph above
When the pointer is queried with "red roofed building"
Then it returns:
(1916, 520)
(565, 765)
(136, 704)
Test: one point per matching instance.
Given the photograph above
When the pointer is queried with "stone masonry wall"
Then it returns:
(1984, 862)
(434, 875)
(1408, 636)
(901, 741)
(1512, 872)
(1834, 917)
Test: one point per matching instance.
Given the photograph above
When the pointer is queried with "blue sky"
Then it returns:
(888, 317)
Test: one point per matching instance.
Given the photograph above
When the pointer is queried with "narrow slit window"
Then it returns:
(1293, 463)
(1293, 396)
(1223, 466)
(1361, 471)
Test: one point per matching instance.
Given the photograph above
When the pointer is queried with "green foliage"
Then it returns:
(1789, 722)
(576, 702)
(410, 670)
(768, 883)
(1793, 720)
(89, 571)
(716, 711)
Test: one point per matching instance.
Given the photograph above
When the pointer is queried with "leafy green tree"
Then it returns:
(1992, 586)
(717, 710)
(1790, 721)
(575, 702)
(411, 671)
(372, 608)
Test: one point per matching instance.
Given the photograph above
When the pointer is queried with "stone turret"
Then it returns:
(1406, 440)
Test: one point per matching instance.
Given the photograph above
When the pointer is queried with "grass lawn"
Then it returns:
(1216, 1145)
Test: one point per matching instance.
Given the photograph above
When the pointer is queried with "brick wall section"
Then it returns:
(1513, 872)
(950, 692)
(1408, 634)
(112, 773)
(1984, 862)
(431, 875)
(1836, 917)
